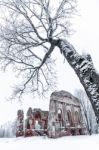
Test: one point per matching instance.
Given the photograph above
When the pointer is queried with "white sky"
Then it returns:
(84, 40)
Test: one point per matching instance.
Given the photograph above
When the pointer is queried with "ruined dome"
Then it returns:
(63, 94)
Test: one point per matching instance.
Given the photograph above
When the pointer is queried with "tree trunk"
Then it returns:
(84, 68)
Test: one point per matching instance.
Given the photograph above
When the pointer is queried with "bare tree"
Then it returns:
(30, 31)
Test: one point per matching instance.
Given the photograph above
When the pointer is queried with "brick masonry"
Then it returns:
(63, 118)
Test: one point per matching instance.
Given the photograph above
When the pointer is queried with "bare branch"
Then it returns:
(29, 32)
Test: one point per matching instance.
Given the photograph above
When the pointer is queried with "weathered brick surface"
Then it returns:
(65, 115)
(64, 118)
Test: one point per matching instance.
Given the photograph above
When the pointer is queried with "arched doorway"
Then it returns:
(81, 131)
(73, 131)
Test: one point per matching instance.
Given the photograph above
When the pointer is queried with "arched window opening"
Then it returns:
(59, 114)
(27, 124)
(37, 125)
(77, 119)
(60, 117)
(37, 115)
(69, 118)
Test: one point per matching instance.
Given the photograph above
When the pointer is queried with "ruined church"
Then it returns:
(63, 118)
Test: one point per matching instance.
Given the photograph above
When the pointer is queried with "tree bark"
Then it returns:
(84, 68)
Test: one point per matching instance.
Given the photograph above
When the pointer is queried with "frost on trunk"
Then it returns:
(86, 72)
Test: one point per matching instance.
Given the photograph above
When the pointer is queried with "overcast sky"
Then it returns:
(85, 39)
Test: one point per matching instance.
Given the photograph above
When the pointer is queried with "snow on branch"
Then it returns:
(29, 32)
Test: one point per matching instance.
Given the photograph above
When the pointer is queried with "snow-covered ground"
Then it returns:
(43, 143)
